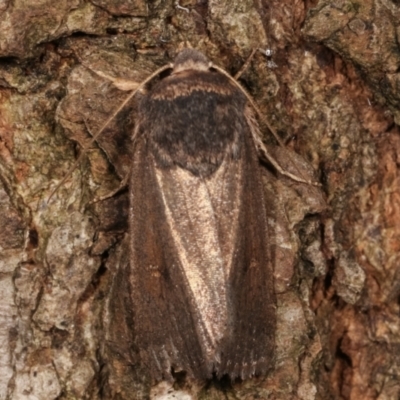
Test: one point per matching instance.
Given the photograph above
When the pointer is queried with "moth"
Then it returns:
(200, 276)
(195, 292)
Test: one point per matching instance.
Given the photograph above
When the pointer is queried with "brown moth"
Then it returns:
(200, 278)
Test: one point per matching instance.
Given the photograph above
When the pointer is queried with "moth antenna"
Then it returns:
(104, 126)
(258, 141)
(245, 65)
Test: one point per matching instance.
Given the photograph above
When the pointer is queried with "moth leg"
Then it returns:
(255, 133)
(179, 7)
(263, 150)
(123, 185)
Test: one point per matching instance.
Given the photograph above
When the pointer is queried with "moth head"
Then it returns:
(191, 59)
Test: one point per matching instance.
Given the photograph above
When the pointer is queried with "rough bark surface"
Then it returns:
(332, 91)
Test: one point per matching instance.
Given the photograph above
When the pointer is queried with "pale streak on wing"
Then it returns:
(202, 214)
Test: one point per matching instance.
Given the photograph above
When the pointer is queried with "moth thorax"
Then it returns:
(191, 59)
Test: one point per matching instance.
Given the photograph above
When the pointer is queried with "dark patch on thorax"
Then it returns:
(194, 120)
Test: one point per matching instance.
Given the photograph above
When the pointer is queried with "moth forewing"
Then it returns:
(200, 276)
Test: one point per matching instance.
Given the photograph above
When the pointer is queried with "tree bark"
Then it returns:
(331, 91)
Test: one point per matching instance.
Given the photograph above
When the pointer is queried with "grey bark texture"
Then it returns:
(331, 89)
